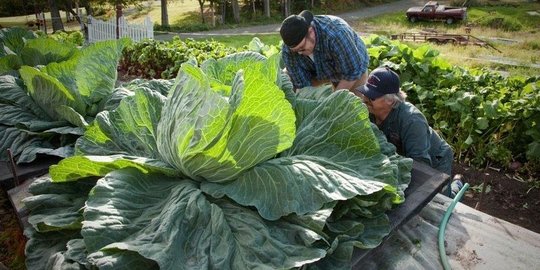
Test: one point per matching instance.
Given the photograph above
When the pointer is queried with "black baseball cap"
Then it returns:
(381, 81)
(295, 27)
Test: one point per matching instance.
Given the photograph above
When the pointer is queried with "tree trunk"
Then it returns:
(77, 8)
(87, 7)
(223, 11)
(164, 14)
(57, 24)
(286, 8)
(236, 10)
(118, 16)
(212, 14)
(68, 6)
(201, 6)
(267, 8)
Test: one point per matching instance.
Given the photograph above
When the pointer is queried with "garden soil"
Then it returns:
(504, 197)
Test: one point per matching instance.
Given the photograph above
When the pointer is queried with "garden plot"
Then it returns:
(223, 142)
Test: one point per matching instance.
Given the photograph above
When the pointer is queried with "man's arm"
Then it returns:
(353, 85)
(344, 84)
(351, 58)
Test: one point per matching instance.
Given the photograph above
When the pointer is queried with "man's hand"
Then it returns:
(316, 83)
(352, 85)
(346, 85)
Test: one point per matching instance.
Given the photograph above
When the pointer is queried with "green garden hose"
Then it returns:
(442, 227)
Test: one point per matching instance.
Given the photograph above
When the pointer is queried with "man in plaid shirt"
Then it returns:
(321, 49)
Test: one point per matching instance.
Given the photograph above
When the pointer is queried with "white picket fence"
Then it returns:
(106, 30)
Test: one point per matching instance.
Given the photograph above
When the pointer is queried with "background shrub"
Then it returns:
(487, 118)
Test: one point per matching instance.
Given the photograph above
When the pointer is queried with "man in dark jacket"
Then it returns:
(321, 49)
(402, 123)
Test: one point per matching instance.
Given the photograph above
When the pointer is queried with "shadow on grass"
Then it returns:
(192, 22)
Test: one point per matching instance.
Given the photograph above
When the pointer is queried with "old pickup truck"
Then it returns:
(433, 11)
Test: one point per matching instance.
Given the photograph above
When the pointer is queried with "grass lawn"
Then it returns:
(20, 21)
(513, 29)
(177, 11)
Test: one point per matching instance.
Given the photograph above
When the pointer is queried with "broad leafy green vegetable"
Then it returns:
(12, 40)
(45, 109)
(20, 47)
(231, 170)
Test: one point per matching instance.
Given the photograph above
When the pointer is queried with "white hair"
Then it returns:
(395, 99)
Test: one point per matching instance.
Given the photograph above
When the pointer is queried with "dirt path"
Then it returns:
(274, 28)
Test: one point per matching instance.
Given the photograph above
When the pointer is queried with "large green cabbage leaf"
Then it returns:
(9, 64)
(230, 171)
(219, 137)
(13, 40)
(21, 120)
(48, 108)
(43, 51)
(55, 240)
(335, 156)
(49, 93)
(173, 223)
(20, 47)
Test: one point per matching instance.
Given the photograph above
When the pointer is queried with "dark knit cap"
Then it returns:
(295, 27)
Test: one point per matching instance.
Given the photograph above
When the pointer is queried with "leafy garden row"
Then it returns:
(487, 118)
(219, 142)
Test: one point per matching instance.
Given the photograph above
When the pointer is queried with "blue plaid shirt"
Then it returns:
(339, 54)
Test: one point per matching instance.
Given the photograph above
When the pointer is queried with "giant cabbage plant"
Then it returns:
(20, 47)
(53, 92)
(232, 170)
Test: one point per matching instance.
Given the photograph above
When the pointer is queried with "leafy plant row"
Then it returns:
(487, 118)
(73, 37)
(162, 59)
